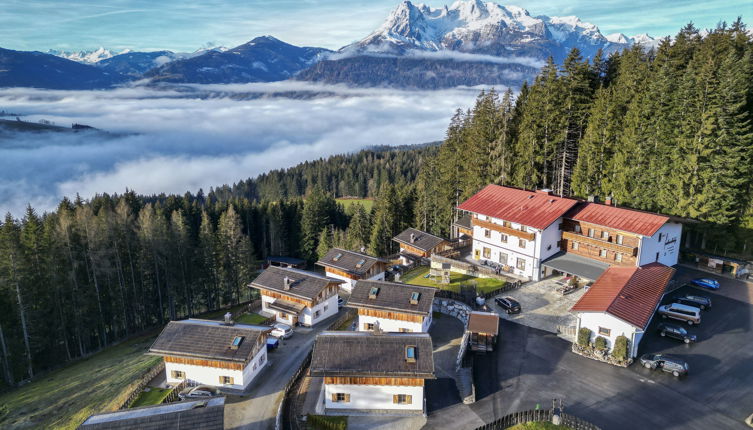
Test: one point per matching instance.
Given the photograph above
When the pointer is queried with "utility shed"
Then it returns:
(188, 415)
(483, 328)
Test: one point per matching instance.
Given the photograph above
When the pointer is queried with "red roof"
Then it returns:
(628, 293)
(534, 209)
(630, 220)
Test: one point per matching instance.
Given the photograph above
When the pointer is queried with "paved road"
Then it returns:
(257, 408)
(731, 288)
(532, 367)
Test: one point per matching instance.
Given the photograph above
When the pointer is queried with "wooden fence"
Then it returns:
(135, 389)
(538, 415)
(284, 411)
(173, 396)
(469, 298)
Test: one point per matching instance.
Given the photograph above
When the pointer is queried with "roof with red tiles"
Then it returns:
(629, 220)
(628, 293)
(534, 209)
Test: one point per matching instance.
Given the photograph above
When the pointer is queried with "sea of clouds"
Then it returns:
(178, 140)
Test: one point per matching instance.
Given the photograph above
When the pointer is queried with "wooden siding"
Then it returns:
(276, 295)
(599, 243)
(628, 239)
(341, 273)
(502, 229)
(414, 250)
(353, 380)
(205, 363)
(593, 252)
(391, 315)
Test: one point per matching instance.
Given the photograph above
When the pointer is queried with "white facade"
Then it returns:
(307, 317)
(391, 325)
(348, 283)
(379, 397)
(598, 321)
(211, 375)
(662, 247)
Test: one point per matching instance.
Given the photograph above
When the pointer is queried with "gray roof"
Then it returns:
(421, 240)
(348, 261)
(306, 284)
(464, 221)
(187, 415)
(207, 339)
(392, 296)
(367, 354)
(575, 264)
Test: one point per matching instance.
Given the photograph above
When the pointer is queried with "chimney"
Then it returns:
(287, 283)
(593, 198)
(363, 249)
(412, 237)
(547, 191)
(229, 319)
(608, 201)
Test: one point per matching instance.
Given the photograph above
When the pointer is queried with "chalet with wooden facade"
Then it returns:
(369, 372)
(296, 296)
(483, 328)
(203, 414)
(416, 245)
(392, 307)
(212, 352)
(462, 228)
(622, 302)
(351, 267)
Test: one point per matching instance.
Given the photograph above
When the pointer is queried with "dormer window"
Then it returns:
(337, 257)
(360, 263)
(414, 296)
(236, 342)
(410, 353)
(373, 292)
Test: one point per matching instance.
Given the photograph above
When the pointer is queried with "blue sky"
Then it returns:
(185, 25)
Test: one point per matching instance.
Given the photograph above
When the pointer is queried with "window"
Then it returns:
(503, 238)
(261, 359)
(410, 353)
(255, 365)
(237, 340)
(326, 307)
(502, 258)
(341, 397)
(226, 380)
(283, 315)
(402, 399)
(414, 296)
(316, 314)
(368, 326)
(603, 253)
(521, 264)
(604, 331)
(575, 246)
(487, 253)
(577, 228)
(617, 257)
(660, 236)
(522, 243)
(590, 232)
(373, 292)
(619, 239)
(605, 235)
(506, 224)
(360, 263)
(338, 256)
(487, 233)
(178, 374)
(405, 330)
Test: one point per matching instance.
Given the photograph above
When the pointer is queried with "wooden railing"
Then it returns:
(570, 235)
(502, 229)
(538, 415)
(135, 389)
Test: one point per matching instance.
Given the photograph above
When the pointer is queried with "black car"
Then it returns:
(701, 302)
(675, 331)
(667, 363)
(508, 304)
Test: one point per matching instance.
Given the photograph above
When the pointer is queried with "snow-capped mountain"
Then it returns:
(643, 39)
(87, 57)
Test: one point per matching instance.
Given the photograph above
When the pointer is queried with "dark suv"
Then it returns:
(701, 302)
(508, 304)
(675, 331)
(667, 363)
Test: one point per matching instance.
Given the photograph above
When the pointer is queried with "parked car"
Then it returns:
(508, 304)
(199, 392)
(667, 363)
(272, 343)
(340, 302)
(709, 283)
(681, 312)
(281, 330)
(701, 302)
(675, 331)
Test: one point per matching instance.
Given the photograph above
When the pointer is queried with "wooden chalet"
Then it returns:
(463, 227)
(392, 307)
(416, 245)
(483, 328)
(205, 414)
(288, 262)
(297, 296)
(351, 266)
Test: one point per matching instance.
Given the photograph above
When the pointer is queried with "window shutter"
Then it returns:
(334, 397)
(395, 399)
(221, 380)
(347, 398)
(232, 380)
(409, 399)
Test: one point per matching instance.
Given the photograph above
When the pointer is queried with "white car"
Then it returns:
(281, 330)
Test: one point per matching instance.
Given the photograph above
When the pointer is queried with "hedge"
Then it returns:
(584, 337)
(620, 350)
(600, 343)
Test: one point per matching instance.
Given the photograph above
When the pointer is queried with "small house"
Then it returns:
(288, 262)
(370, 372)
(351, 266)
(297, 296)
(417, 244)
(392, 307)
(483, 328)
(205, 414)
(214, 353)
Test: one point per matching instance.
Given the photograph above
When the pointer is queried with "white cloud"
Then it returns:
(383, 51)
(200, 136)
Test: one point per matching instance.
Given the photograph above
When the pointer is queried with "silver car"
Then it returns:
(681, 312)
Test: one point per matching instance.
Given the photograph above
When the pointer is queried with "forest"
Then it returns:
(667, 131)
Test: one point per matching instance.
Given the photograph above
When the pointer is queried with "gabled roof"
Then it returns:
(305, 284)
(206, 414)
(392, 296)
(352, 262)
(628, 293)
(372, 355)
(534, 209)
(629, 220)
(483, 322)
(421, 240)
(210, 340)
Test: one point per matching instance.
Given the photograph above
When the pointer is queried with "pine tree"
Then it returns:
(326, 241)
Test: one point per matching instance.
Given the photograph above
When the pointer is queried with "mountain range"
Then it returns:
(467, 43)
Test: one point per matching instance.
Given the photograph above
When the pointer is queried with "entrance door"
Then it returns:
(476, 254)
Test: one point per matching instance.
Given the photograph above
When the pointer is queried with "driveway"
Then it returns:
(532, 367)
(257, 408)
(730, 288)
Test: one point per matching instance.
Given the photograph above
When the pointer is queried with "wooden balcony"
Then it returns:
(502, 229)
(624, 249)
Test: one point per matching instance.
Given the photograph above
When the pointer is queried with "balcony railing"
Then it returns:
(502, 229)
(624, 249)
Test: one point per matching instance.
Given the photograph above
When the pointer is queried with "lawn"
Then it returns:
(154, 396)
(347, 203)
(322, 422)
(64, 398)
(417, 277)
(251, 318)
(541, 425)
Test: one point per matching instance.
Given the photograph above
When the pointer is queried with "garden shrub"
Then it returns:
(600, 343)
(620, 350)
(584, 337)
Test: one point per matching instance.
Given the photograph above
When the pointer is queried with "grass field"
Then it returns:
(251, 318)
(417, 277)
(154, 396)
(543, 425)
(64, 398)
(323, 422)
(367, 203)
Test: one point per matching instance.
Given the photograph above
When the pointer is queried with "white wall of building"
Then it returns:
(594, 320)
(373, 396)
(326, 309)
(211, 375)
(390, 325)
(668, 247)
